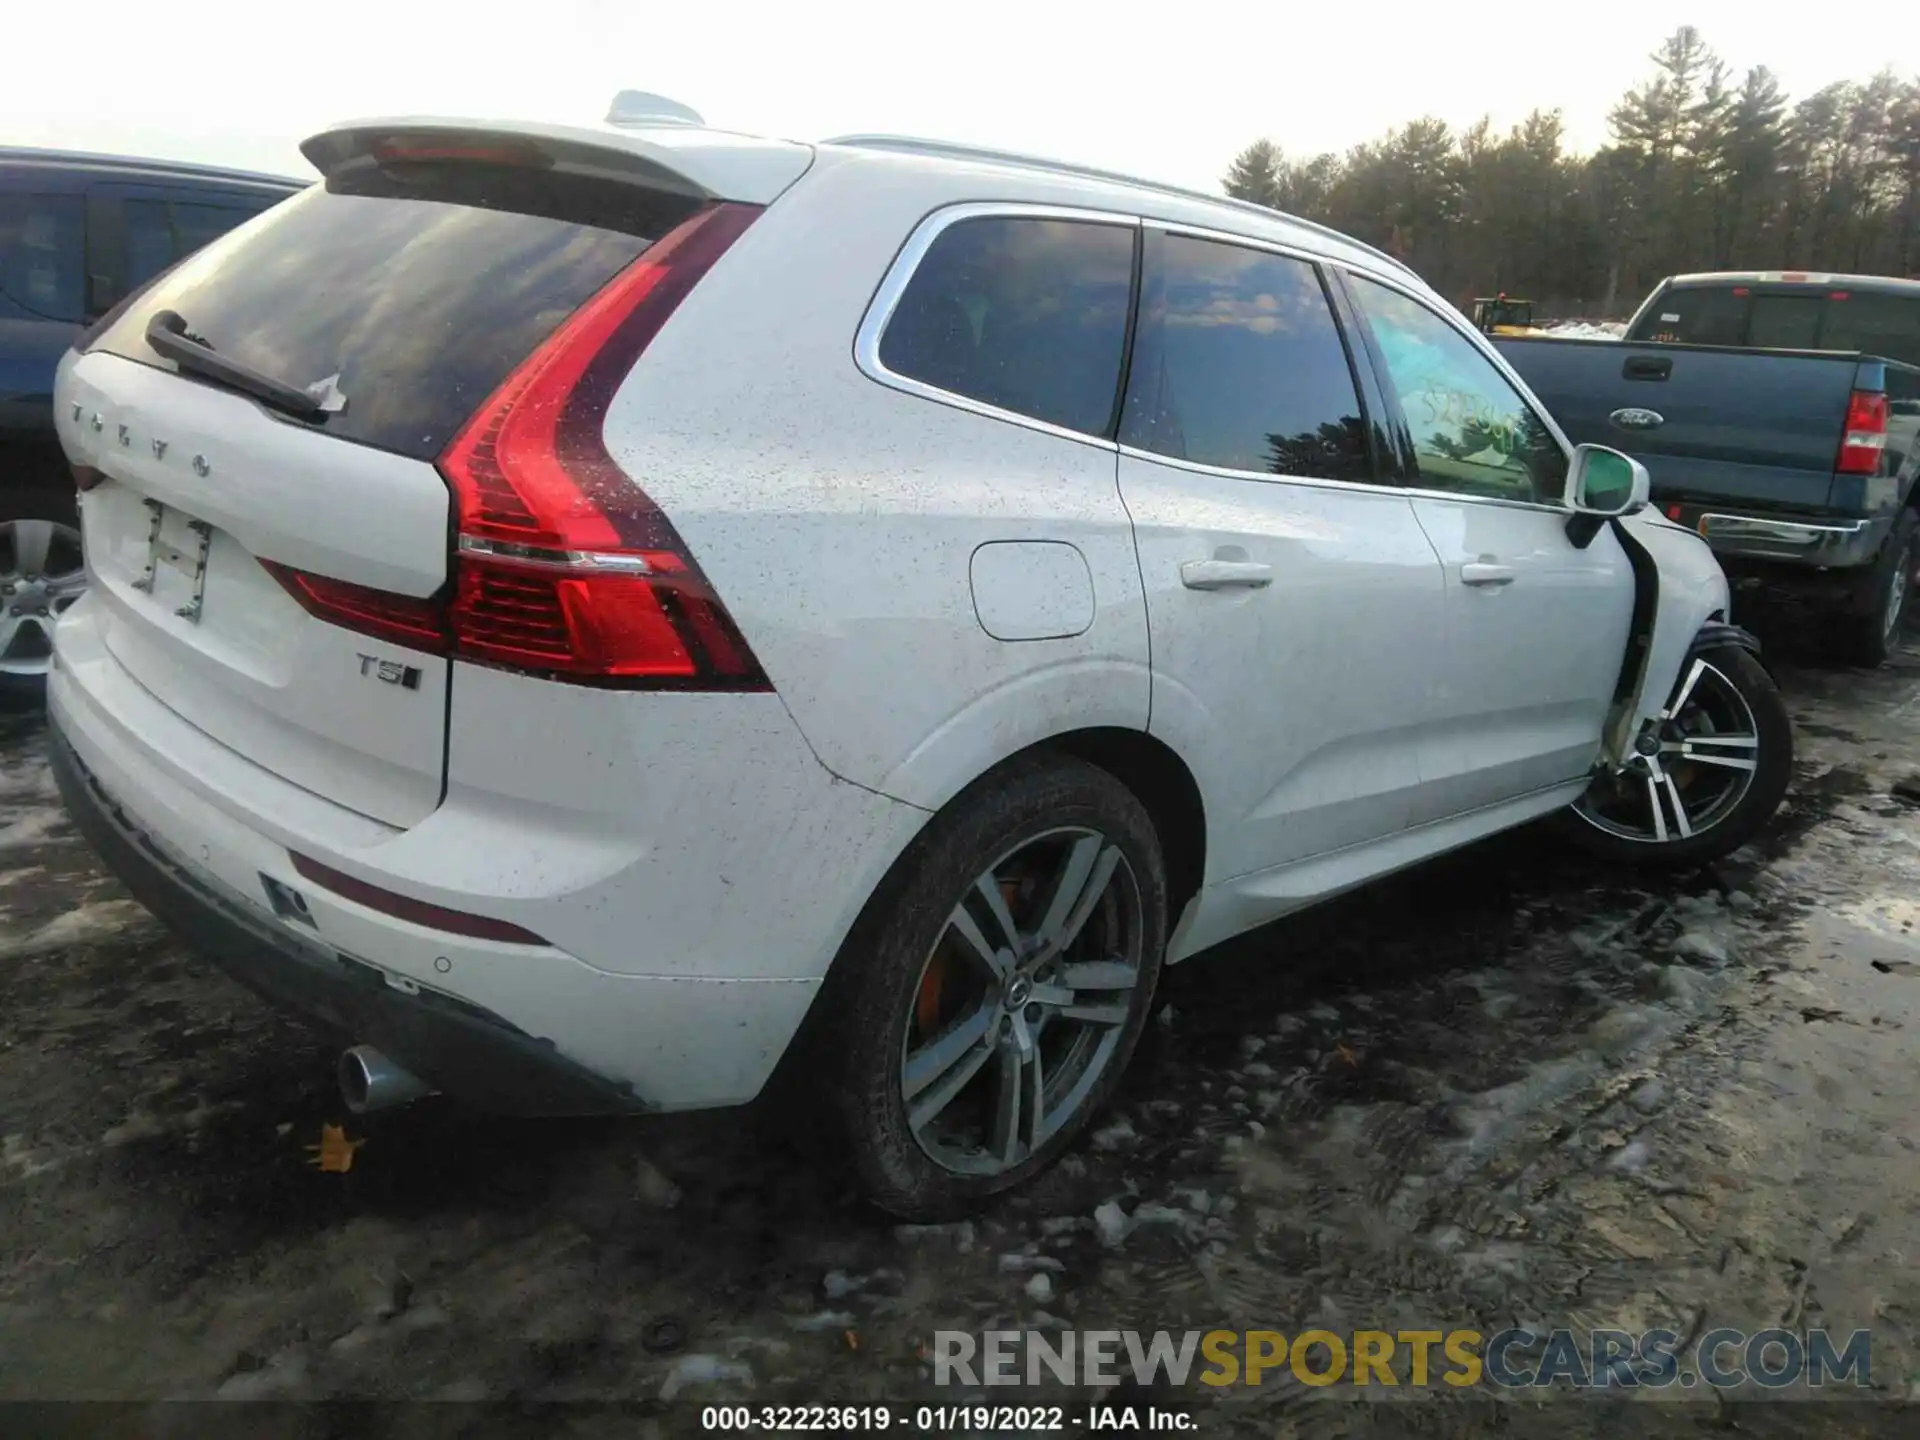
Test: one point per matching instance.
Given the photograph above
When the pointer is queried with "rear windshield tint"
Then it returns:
(420, 287)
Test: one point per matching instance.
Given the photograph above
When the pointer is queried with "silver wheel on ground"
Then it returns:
(1690, 774)
(1022, 1003)
(1899, 585)
(41, 574)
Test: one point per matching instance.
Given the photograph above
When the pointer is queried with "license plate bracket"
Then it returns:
(187, 553)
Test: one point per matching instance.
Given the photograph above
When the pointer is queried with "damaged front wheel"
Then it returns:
(1704, 778)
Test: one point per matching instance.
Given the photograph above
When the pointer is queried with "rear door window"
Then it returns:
(43, 256)
(1696, 315)
(1238, 363)
(1024, 314)
(419, 286)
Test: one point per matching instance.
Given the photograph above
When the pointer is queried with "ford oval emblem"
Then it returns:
(1633, 418)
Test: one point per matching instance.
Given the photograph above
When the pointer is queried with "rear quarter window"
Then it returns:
(1024, 314)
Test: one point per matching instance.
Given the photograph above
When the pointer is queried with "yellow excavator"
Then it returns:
(1501, 316)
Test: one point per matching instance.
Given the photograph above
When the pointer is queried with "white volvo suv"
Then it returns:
(569, 606)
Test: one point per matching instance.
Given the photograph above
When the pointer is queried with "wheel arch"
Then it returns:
(1159, 778)
(1153, 770)
(1680, 589)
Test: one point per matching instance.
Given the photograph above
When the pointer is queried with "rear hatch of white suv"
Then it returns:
(358, 439)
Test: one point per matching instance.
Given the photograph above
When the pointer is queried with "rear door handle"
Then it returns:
(1479, 572)
(1226, 575)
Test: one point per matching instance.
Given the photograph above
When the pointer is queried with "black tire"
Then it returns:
(1035, 806)
(1869, 631)
(30, 603)
(1740, 819)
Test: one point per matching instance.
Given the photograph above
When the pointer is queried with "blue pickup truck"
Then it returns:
(78, 233)
(1779, 415)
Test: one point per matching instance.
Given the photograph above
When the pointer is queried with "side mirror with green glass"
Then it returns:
(1605, 483)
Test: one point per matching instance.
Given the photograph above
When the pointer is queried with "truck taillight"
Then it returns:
(562, 565)
(1866, 435)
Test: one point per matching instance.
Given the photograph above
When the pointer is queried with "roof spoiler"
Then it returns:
(676, 156)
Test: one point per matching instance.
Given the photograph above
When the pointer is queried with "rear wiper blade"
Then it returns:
(167, 335)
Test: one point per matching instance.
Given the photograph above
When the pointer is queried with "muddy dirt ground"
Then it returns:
(1505, 1088)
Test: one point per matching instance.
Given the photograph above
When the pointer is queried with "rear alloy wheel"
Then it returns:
(1705, 778)
(41, 574)
(1009, 979)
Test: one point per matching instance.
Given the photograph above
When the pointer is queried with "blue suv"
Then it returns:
(78, 233)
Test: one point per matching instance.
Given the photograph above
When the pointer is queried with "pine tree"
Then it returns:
(1255, 174)
(1699, 173)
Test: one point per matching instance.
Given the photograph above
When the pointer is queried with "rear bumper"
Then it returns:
(458, 1047)
(1772, 540)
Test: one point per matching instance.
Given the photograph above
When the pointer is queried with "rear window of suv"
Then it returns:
(420, 286)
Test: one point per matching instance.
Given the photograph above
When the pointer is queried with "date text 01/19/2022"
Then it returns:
(936, 1419)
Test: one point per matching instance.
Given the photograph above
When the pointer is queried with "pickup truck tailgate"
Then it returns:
(1757, 428)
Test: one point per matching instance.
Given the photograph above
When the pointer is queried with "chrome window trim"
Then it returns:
(1244, 242)
(1483, 347)
(1270, 477)
(866, 341)
(1319, 482)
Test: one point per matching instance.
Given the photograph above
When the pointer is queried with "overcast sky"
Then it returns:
(1170, 90)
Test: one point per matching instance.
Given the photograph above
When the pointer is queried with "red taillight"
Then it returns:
(421, 624)
(562, 564)
(1866, 437)
(1673, 512)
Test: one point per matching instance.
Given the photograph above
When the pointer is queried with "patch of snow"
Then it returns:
(1112, 1222)
(1648, 1095)
(1019, 1264)
(822, 1320)
(27, 828)
(103, 919)
(22, 1161)
(1587, 330)
(1040, 1289)
(1116, 1136)
(1703, 943)
(653, 1187)
(704, 1370)
(1631, 1158)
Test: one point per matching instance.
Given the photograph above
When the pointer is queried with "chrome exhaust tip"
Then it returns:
(370, 1081)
